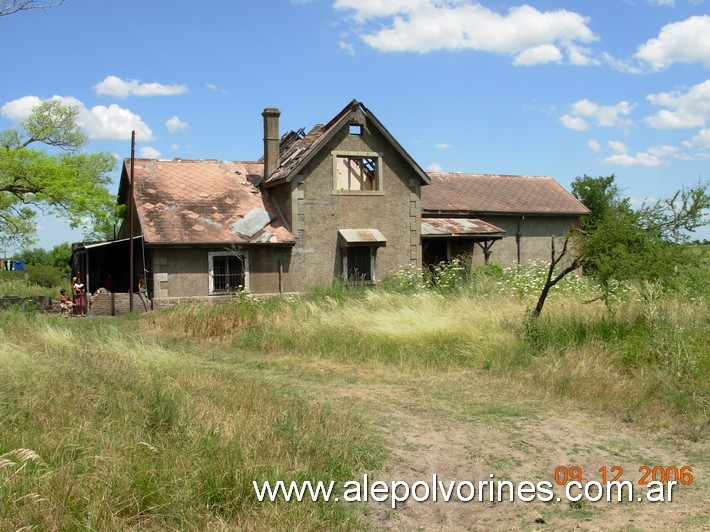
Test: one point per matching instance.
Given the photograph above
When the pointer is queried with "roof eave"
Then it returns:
(216, 244)
(448, 212)
(332, 128)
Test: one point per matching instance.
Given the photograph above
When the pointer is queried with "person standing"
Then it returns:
(79, 295)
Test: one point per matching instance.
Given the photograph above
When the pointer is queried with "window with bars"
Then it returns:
(228, 272)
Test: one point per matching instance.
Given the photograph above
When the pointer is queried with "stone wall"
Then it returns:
(317, 211)
(43, 302)
(117, 304)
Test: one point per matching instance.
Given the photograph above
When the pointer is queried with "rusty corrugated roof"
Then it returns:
(498, 194)
(204, 202)
(462, 227)
(363, 236)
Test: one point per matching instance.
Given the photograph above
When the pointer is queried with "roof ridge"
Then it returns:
(474, 174)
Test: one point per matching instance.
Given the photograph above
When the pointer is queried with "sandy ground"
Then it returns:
(521, 440)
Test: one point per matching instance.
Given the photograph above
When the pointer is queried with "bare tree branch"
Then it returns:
(10, 7)
(550, 281)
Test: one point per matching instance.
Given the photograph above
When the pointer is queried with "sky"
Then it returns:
(561, 88)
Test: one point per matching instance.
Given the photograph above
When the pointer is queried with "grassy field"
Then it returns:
(162, 421)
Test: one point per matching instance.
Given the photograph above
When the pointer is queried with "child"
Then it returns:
(65, 304)
(79, 298)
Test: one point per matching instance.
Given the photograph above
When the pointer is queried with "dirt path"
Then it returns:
(519, 440)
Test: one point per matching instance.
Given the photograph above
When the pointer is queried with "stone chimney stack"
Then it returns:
(271, 140)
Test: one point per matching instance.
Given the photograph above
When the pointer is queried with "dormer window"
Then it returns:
(357, 173)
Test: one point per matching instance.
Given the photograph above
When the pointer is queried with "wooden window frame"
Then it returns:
(379, 188)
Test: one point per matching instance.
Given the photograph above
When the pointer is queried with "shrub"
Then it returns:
(404, 280)
(44, 276)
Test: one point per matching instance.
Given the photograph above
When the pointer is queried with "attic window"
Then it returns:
(355, 129)
(357, 173)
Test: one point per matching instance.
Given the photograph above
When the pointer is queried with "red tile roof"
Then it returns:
(198, 202)
(476, 194)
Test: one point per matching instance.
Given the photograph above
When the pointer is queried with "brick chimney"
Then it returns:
(271, 140)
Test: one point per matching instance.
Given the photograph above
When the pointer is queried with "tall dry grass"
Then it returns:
(646, 360)
(105, 428)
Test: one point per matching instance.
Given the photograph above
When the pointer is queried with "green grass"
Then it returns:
(163, 421)
(644, 361)
(129, 433)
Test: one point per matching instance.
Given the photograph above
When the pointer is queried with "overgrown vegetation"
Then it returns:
(617, 243)
(104, 428)
(158, 422)
(641, 354)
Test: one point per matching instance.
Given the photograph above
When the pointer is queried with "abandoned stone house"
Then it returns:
(343, 201)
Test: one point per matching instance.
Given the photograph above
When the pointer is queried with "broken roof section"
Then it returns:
(297, 150)
(203, 202)
(477, 194)
(459, 227)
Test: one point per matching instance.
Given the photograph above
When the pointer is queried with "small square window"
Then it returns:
(355, 129)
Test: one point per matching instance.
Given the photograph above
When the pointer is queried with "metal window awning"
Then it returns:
(361, 237)
(472, 228)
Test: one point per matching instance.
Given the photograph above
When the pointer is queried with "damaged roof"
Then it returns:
(461, 227)
(467, 194)
(296, 153)
(204, 202)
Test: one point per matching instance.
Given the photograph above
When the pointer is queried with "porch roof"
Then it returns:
(459, 227)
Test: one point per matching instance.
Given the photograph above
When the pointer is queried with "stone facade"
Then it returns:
(346, 193)
(316, 211)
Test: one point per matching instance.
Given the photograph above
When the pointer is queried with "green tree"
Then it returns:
(67, 182)
(618, 243)
(57, 257)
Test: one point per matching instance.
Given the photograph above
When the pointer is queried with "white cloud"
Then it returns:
(653, 156)
(213, 87)
(174, 147)
(545, 53)
(664, 150)
(579, 55)
(347, 46)
(669, 3)
(689, 109)
(640, 159)
(368, 9)
(434, 167)
(618, 146)
(639, 202)
(442, 146)
(18, 110)
(621, 66)
(687, 41)
(594, 145)
(176, 125)
(574, 122)
(603, 115)
(98, 123)
(531, 36)
(115, 86)
(701, 140)
(148, 152)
